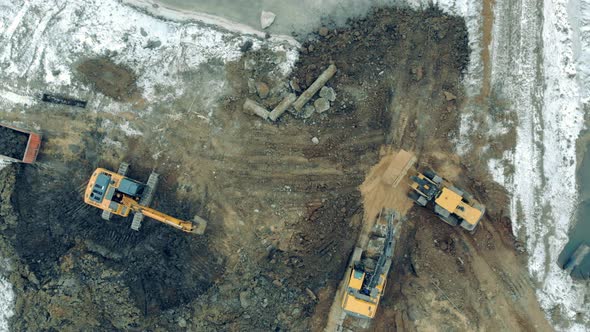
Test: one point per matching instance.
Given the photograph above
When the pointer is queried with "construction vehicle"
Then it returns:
(19, 145)
(114, 193)
(449, 203)
(368, 269)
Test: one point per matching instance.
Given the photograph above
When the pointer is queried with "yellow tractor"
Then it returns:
(114, 193)
(367, 273)
(449, 203)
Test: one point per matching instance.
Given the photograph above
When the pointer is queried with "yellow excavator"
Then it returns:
(367, 273)
(451, 204)
(114, 193)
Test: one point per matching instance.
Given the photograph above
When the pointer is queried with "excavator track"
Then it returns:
(145, 200)
(123, 168)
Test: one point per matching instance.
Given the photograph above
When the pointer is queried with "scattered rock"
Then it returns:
(321, 105)
(152, 44)
(251, 85)
(266, 19)
(328, 93)
(262, 89)
(311, 294)
(245, 299)
(449, 96)
(418, 73)
(308, 111)
(246, 46)
(143, 32)
(294, 85)
(315, 140)
(324, 31)
(182, 322)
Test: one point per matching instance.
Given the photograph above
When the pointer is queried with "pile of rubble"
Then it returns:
(298, 106)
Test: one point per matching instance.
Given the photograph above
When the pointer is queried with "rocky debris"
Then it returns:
(328, 93)
(245, 299)
(294, 85)
(153, 44)
(315, 87)
(308, 111)
(267, 19)
(315, 140)
(321, 105)
(418, 73)
(143, 32)
(251, 86)
(262, 89)
(246, 46)
(449, 96)
(323, 31)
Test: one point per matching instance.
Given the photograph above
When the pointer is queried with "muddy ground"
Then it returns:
(283, 212)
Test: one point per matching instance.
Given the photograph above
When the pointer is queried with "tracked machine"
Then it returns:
(115, 193)
(368, 269)
(449, 203)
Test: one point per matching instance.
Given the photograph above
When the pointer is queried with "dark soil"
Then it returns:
(13, 144)
(113, 80)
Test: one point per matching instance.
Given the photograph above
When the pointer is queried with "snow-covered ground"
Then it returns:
(42, 40)
(540, 61)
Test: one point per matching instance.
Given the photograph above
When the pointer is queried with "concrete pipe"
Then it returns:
(255, 108)
(282, 106)
(314, 88)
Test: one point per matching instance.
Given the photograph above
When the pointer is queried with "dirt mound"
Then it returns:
(12, 143)
(113, 80)
(378, 190)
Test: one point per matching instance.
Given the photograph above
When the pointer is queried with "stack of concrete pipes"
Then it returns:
(291, 99)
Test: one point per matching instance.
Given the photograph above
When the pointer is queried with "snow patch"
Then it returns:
(16, 98)
(126, 128)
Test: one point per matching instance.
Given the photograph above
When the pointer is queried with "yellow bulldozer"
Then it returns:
(114, 193)
(451, 204)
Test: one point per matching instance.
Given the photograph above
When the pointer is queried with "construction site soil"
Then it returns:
(283, 212)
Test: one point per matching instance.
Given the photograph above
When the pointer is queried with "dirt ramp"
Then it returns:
(385, 186)
(112, 80)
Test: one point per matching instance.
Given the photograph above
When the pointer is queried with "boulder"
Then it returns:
(262, 89)
(321, 105)
(267, 19)
(328, 93)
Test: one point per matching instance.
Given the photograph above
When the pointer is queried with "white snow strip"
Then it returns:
(16, 98)
(15, 23)
(6, 301)
(159, 9)
(126, 128)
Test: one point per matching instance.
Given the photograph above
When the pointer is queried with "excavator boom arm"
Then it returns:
(159, 216)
